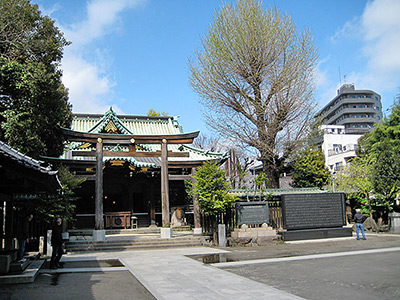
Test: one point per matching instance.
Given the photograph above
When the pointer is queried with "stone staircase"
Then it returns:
(120, 240)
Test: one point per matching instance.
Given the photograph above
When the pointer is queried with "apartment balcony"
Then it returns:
(348, 149)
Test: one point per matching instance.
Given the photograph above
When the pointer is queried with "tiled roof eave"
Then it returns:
(25, 160)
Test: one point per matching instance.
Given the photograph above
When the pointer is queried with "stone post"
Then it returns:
(221, 236)
(49, 250)
(394, 222)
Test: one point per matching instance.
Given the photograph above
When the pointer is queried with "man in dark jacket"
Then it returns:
(56, 244)
(359, 219)
(23, 235)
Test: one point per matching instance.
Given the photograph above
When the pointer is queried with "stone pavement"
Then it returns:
(278, 271)
(170, 274)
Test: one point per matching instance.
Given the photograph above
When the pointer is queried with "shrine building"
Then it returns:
(135, 168)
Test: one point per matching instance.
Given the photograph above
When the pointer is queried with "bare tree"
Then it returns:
(211, 143)
(254, 74)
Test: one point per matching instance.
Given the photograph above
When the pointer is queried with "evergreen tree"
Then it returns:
(211, 188)
(382, 145)
(33, 101)
(310, 170)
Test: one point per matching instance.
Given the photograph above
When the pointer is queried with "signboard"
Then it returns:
(252, 212)
(309, 211)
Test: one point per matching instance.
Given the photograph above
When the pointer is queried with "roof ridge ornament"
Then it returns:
(111, 111)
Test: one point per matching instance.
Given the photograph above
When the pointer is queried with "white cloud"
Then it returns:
(86, 84)
(102, 16)
(90, 87)
(349, 30)
(381, 26)
(320, 74)
(377, 32)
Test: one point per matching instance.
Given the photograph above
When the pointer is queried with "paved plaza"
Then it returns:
(331, 269)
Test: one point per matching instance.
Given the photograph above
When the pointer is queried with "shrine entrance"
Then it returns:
(133, 192)
(133, 165)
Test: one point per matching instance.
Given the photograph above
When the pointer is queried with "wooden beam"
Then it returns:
(185, 164)
(70, 162)
(179, 177)
(83, 153)
(128, 154)
(88, 177)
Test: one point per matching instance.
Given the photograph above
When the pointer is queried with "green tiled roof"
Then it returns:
(139, 125)
(127, 124)
(110, 116)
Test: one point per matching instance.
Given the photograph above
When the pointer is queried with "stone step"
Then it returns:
(113, 247)
(134, 239)
(148, 243)
(143, 230)
(84, 245)
(141, 245)
(89, 232)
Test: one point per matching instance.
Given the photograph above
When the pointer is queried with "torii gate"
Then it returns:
(112, 139)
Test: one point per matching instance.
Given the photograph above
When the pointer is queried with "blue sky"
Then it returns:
(133, 54)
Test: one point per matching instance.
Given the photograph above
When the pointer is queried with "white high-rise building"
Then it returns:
(356, 110)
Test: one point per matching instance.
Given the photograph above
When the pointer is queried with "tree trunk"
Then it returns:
(272, 174)
(369, 205)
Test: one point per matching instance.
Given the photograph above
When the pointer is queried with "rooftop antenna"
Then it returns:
(340, 77)
(344, 78)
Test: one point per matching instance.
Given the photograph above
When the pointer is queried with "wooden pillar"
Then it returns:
(196, 208)
(99, 225)
(164, 184)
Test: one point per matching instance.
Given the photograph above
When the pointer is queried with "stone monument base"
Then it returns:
(6, 258)
(249, 236)
(319, 233)
(19, 266)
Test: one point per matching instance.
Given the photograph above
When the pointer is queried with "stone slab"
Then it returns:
(27, 276)
(320, 233)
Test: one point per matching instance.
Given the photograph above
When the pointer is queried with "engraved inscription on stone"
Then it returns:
(308, 211)
(252, 213)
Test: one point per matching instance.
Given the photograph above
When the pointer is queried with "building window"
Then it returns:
(338, 165)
